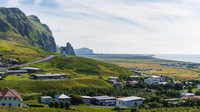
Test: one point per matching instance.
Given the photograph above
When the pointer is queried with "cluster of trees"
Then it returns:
(56, 104)
(91, 91)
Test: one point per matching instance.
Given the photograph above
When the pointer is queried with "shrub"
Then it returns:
(67, 105)
(36, 105)
(51, 104)
(62, 104)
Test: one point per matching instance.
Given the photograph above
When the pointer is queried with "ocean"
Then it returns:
(195, 58)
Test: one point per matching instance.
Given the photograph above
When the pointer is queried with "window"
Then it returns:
(9, 98)
(9, 104)
(135, 103)
(19, 105)
(14, 98)
(5, 98)
(3, 104)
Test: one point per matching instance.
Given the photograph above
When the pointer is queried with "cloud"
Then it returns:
(37, 2)
(122, 26)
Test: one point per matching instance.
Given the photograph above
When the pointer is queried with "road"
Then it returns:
(38, 61)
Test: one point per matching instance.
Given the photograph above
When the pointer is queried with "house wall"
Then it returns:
(87, 100)
(64, 100)
(120, 103)
(14, 102)
(46, 100)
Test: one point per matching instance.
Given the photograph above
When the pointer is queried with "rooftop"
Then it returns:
(42, 75)
(103, 97)
(62, 96)
(131, 98)
(89, 97)
(46, 97)
(30, 68)
(6, 92)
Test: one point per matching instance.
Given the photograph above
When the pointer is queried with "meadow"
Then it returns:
(179, 73)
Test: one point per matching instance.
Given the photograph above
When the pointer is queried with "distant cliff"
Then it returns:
(83, 51)
(15, 26)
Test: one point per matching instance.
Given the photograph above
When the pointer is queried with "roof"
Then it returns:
(103, 97)
(16, 71)
(42, 75)
(114, 77)
(6, 92)
(131, 98)
(134, 76)
(88, 97)
(62, 96)
(31, 68)
(187, 94)
(196, 97)
(44, 97)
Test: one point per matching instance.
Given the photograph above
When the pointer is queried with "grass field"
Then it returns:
(82, 67)
(36, 86)
(183, 74)
(11, 48)
(22, 58)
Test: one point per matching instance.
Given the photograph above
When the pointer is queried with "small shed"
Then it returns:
(129, 101)
(46, 99)
(87, 99)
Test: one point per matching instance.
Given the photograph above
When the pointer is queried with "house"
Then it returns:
(10, 97)
(113, 78)
(118, 84)
(87, 99)
(198, 87)
(134, 77)
(16, 71)
(32, 69)
(186, 94)
(154, 79)
(133, 82)
(1, 73)
(48, 76)
(46, 99)
(128, 101)
(62, 97)
(100, 100)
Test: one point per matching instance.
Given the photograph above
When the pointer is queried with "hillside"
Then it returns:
(17, 27)
(11, 48)
(82, 67)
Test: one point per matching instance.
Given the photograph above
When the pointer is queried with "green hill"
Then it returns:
(11, 48)
(82, 67)
(16, 27)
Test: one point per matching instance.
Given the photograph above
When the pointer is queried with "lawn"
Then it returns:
(37, 86)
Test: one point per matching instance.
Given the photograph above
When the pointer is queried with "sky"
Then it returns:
(120, 26)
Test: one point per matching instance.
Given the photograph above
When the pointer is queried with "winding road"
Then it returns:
(38, 61)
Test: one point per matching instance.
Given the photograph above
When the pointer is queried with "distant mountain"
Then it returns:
(83, 51)
(15, 26)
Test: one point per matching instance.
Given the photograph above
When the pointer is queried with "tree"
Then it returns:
(62, 104)
(75, 100)
(189, 89)
(51, 104)
(56, 104)
(128, 84)
(67, 105)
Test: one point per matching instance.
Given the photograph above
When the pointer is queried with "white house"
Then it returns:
(46, 99)
(128, 101)
(198, 87)
(10, 97)
(113, 78)
(186, 94)
(87, 99)
(32, 69)
(100, 100)
(62, 97)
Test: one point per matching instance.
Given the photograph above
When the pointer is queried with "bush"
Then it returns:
(75, 100)
(62, 104)
(67, 105)
(56, 104)
(51, 104)
(36, 105)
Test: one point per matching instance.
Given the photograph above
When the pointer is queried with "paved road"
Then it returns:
(38, 61)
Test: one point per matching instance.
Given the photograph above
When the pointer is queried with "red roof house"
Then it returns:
(10, 97)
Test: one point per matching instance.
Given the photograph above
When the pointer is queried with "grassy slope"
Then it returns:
(11, 48)
(80, 66)
(38, 86)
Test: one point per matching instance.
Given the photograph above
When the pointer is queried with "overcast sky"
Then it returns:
(120, 26)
